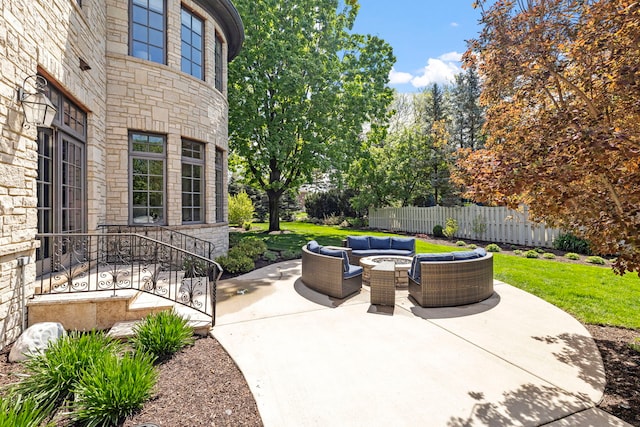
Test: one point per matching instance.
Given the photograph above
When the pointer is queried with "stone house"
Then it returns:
(140, 135)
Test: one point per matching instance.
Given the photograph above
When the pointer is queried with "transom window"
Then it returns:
(192, 181)
(191, 32)
(147, 30)
(147, 184)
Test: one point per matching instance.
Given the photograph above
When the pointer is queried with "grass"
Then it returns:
(592, 294)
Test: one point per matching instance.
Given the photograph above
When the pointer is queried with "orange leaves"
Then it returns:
(562, 90)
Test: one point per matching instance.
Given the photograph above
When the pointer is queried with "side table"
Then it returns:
(382, 282)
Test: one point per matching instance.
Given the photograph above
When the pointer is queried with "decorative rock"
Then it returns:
(34, 339)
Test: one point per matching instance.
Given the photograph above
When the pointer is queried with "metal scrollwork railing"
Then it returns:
(88, 262)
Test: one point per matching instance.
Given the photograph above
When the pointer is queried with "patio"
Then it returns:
(512, 359)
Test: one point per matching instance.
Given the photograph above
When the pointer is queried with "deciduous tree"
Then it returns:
(561, 83)
(300, 91)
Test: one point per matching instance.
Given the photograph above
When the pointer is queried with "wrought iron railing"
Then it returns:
(82, 262)
(189, 243)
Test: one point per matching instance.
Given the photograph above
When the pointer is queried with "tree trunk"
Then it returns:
(274, 210)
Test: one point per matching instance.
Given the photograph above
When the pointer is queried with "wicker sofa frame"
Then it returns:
(325, 274)
(452, 283)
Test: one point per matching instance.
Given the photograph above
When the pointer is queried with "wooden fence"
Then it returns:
(491, 224)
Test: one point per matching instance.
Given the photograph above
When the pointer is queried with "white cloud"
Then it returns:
(397, 77)
(436, 71)
(441, 70)
(454, 24)
(451, 57)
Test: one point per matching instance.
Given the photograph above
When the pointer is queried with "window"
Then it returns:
(147, 30)
(218, 64)
(192, 43)
(220, 196)
(147, 183)
(192, 181)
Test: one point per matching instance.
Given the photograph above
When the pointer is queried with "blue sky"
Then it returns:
(427, 36)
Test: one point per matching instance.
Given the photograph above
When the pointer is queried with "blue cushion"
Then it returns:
(404, 243)
(338, 254)
(415, 264)
(354, 270)
(379, 242)
(481, 252)
(464, 255)
(313, 246)
(358, 242)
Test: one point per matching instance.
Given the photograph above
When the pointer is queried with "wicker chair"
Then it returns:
(325, 274)
(451, 283)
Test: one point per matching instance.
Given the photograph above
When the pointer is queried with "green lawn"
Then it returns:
(592, 294)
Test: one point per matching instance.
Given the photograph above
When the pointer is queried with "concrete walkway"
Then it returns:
(311, 360)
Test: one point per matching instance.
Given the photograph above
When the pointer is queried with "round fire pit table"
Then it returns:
(402, 265)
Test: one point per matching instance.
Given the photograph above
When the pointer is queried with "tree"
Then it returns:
(300, 91)
(561, 87)
(467, 115)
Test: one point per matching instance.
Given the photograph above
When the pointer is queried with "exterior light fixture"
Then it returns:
(38, 108)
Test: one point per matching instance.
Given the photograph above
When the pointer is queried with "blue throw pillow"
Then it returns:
(481, 252)
(380, 242)
(358, 242)
(313, 246)
(464, 255)
(403, 243)
(338, 254)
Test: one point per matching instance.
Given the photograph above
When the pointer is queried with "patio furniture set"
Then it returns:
(386, 263)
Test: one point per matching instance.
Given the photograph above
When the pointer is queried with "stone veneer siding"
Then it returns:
(119, 93)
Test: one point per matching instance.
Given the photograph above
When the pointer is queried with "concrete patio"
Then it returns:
(310, 360)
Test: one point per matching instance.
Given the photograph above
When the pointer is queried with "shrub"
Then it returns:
(572, 255)
(460, 243)
(548, 255)
(438, 231)
(570, 243)
(247, 226)
(251, 247)
(492, 247)
(236, 263)
(595, 260)
(331, 203)
(112, 388)
(18, 411)
(234, 239)
(288, 254)
(517, 252)
(162, 334)
(332, 220)
(240, 208)
(539, 250)
(472, 246)
(532, 254)
(270, 256)
(53, 374)
(451, 228)
(358, 222)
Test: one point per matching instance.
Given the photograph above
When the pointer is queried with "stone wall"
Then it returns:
(119, 93)
(46, 37)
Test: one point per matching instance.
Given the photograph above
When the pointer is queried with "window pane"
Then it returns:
(156, 55)
(140, 50)
(140, 33)
(140, 15)
(156, 38)
(156, 21)
(156, 5)
(186, 51)
(196, 25)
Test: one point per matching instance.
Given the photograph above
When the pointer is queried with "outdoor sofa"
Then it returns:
(452, 278)
(326, 269)
(363, 246)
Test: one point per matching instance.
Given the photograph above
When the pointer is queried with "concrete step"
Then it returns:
(124, 330)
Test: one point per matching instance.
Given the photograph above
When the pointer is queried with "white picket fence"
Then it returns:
(491, 224)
